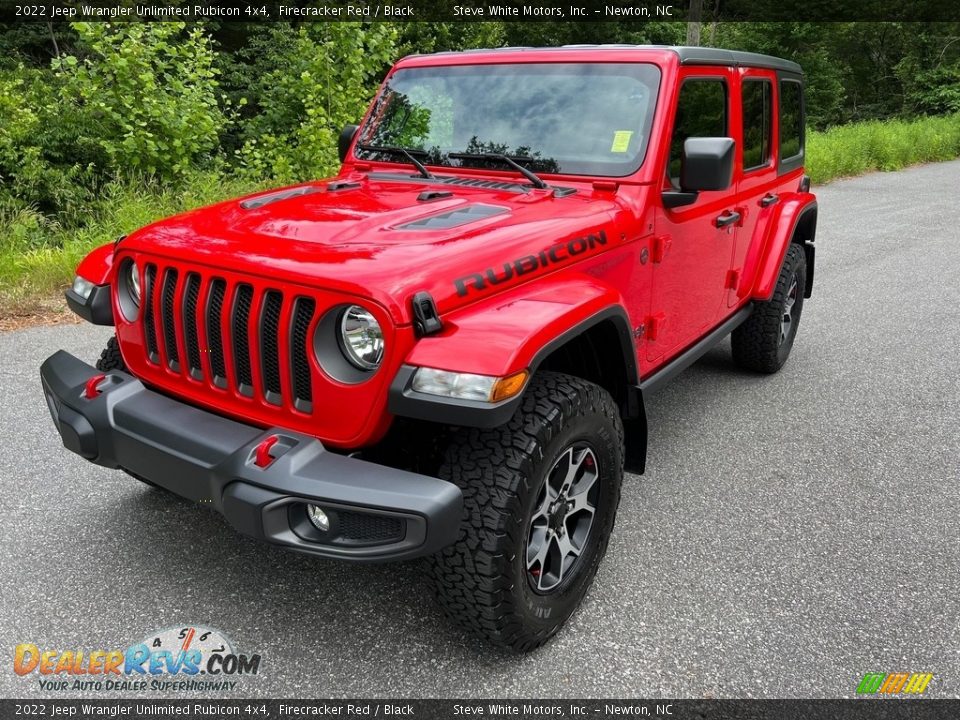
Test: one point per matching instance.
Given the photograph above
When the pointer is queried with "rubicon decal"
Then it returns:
(186, 652)
(894, 683)
(529, 263)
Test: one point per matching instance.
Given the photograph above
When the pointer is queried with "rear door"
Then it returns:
(755, 173)
(692, 251)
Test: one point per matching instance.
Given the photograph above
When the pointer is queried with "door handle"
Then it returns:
(728, 218)
(769, 199)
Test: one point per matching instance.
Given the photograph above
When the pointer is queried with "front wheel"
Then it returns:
(540, 498)
(110, 357)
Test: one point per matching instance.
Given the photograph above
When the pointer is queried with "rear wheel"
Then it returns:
(540, 498)
(764, 341)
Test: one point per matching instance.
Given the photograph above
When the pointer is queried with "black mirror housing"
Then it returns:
(707, 163)
(346, 138)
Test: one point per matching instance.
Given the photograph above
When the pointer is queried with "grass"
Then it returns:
(859, 148)
(38, 257)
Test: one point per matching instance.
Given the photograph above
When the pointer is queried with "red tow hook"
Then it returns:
(90, 389)
(263, 456)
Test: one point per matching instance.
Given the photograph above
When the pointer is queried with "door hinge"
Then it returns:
(661, 245)
(653, 326)
(733, 279)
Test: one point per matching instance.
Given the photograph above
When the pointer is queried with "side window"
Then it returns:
(757, 126)
(701, 112)
(791, 119)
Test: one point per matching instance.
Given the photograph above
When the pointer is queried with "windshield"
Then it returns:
(578, 119)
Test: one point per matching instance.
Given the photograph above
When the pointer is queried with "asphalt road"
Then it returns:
(792, 533)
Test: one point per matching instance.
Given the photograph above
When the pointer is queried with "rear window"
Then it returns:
(757, 126)
(791, 119)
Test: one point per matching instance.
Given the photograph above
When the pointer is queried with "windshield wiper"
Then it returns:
(528, 174)
(406, 152)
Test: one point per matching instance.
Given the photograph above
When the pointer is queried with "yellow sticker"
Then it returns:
(621, 141)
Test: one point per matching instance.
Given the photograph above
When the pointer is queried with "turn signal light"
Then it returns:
(507, 387)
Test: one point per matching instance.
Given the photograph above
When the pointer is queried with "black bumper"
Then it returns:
(95, 309)
(376, 513)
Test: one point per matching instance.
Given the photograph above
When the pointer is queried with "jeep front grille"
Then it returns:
(225, 335)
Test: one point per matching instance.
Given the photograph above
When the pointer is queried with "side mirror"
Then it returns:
(706, 164)
(346, 138)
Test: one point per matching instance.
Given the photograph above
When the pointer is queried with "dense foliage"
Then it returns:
(103, 127)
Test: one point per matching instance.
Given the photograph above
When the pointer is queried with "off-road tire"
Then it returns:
(759, 344)
(110, 358)
(483, 580)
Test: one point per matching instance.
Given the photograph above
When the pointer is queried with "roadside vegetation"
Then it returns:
(106, 128)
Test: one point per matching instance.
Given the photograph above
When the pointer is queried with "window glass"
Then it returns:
(757, 129)
(574, 118)
(701, 112)
(791, 119)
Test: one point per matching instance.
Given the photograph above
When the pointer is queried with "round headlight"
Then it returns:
(134, 283)
(361, 338)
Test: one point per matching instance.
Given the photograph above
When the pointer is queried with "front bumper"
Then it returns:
(376, 512)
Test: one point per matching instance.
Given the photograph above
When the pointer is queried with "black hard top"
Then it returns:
(687, 55)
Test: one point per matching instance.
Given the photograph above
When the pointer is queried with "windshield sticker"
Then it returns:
(621, 141)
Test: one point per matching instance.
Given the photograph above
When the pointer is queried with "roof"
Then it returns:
(686, 55)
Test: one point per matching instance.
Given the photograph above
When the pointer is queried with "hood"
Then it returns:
(387, 238)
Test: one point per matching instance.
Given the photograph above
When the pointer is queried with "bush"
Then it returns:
(313, 80)
(145, 96)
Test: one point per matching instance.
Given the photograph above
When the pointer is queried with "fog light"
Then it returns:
(318, 517)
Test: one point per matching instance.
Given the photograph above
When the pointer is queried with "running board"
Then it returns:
(689, 356)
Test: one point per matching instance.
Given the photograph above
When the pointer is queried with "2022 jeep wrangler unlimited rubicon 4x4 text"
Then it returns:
(443, 352)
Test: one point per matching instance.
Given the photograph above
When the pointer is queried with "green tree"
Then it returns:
(313, 80)
(144, 96)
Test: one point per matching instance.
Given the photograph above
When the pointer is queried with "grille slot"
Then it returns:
(218, 365)
(166, 309)
(269, 346)
(303, 311)
(149, 325)
(241, 338)
(191, 296)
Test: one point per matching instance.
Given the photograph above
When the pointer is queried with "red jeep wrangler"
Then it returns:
(443, 352)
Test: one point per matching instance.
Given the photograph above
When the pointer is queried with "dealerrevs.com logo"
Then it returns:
(176, 659)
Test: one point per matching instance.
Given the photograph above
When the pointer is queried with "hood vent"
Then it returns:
(454, 218)
(261, 200)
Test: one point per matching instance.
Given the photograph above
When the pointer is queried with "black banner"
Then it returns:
(851, 709)
(618, 11)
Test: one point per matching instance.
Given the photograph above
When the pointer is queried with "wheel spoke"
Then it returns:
(537, 548)
(559, 475)
(566, 547)
(581, 503)
(542, 510)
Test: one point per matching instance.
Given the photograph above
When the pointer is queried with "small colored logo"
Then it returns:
(894, 683)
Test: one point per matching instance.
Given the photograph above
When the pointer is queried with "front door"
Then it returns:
(694, 243)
